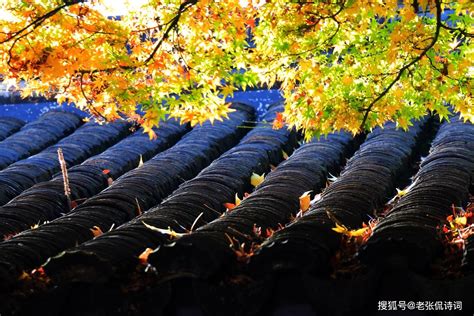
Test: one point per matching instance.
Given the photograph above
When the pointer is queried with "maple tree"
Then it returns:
(351, 64)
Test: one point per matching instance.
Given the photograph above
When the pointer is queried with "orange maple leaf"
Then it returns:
(96, 231)
(278, 122)
(305, 201)
(143, 257)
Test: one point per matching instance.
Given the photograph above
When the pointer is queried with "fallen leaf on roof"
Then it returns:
(305, 201)
(341, 229)
(256, 179)
(230, 206)
(143, 257)
(96, 231)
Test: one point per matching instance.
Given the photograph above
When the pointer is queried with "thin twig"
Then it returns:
(67, 189)
(368, 109)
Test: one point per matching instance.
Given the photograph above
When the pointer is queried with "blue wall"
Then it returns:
(260, 99)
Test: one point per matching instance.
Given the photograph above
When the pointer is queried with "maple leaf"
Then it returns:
(401, 193)
(460, 220)
(256, 179)
(279, 121)
(347, 80)
(358, 232)
(149, 130)
(236, 203)
(250, 23)
(229, 206)
(38, 272)
(228, 90)
(459, 227)
(305, 200)
(96, 231)
(340, 229)
(143, 257)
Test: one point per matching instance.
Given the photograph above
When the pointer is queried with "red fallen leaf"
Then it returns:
(106, 171)
(73, 204)
(269, 232)
(38, 271)
(143, 257)
(229, 206)
(445, 229)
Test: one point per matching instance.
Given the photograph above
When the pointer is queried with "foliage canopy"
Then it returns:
(350, 64)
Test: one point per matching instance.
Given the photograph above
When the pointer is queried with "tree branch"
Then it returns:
(172, 24)
(368, 109)
(454, 29)
(38, 22)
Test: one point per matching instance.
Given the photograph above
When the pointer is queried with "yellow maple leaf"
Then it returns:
(150, 131)
(228, 90)
(347, 80)
(401, 193)
(340, 229)
(256, 179)
(461, 220)
(358, 232)
(237, 200)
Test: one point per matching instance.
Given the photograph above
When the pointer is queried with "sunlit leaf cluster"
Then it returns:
(350, 64)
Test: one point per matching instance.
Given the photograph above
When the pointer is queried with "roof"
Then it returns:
(169, 236)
